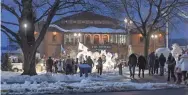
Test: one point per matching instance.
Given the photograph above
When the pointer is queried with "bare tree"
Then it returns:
(147, 16)
(27, 14)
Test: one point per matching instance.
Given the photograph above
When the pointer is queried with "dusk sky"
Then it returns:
(179, 30)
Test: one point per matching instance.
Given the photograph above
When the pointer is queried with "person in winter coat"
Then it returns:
(49, 64)
(90, 62)
(171, 62)
(162, 61)
(76, 65)
(141, 65)
(60, 66)
(151, 63)
(132, 64)
(55, 66)
(178, 71)
(156, 66)
(68, 65)
(100, 65)
(184, 66)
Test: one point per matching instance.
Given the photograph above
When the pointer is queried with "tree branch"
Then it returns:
(10, 10)
(10, 37)
(11, 32)
(11, 23)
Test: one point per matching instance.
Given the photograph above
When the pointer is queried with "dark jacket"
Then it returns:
(100, 62)
(162, 60)
(151, 59)
(156, 63)
(171, 61)
(132, 60)
(49, 63)
(142, 62)
(90, 62)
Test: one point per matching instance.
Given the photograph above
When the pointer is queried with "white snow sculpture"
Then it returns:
(176, 51)
(165, 52)
(109, 59)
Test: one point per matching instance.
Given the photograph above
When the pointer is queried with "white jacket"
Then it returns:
(184, 62)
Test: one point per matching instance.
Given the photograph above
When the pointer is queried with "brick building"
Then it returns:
(95, 31)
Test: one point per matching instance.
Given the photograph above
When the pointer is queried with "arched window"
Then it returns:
(96, 39)
(88, 39)
(105, 39)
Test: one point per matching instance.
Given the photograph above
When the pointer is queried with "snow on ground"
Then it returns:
(86, 85)
(12, 77)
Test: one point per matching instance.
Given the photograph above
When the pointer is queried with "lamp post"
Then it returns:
(154, 37)
(127, 24)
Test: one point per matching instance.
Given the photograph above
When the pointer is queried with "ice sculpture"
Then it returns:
(165, 51)
(109, 58)
(176, 51)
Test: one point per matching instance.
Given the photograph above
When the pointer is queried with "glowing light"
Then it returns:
(156, 36)
(25, 25)
(35, 33)
(79, 34)
(152, 36)
(75, 34)
(54, 33)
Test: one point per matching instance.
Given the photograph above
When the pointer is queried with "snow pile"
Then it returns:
(11, 77)
(85, 85)
(87, 80)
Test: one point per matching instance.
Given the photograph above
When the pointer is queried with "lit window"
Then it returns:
(96, 39)
(105, 39)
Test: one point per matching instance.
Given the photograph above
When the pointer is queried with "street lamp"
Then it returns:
(127, 24)
(154, 37)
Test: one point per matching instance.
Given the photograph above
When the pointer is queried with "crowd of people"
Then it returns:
(175, 69)
(70, 66)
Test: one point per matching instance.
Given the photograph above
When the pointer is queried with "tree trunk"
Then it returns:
(146, 46)
(29, 69)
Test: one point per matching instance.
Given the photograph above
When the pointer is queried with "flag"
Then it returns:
(82, 47)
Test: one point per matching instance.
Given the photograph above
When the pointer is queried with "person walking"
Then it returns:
(100, 65)
(49, 64)
(132, 64)
(141, 65)
(184, 66)
(151, 63)
(68, 65)
(156, 66)
(171, 62)
(90, 63)
(162, 61)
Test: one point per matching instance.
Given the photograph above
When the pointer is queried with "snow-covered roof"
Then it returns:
(90, 29)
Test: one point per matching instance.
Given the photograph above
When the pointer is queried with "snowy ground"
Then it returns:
(14, 83)
(86, 85)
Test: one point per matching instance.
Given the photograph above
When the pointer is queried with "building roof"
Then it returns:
(90, 29)
(87, 19)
